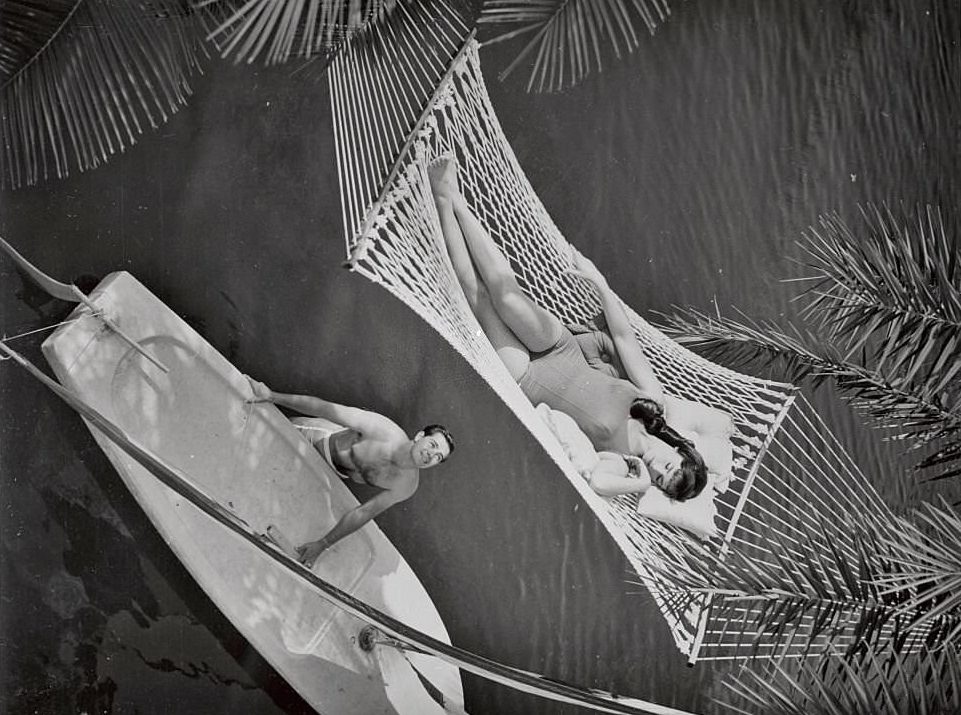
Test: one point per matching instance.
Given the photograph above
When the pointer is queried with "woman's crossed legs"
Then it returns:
(515, 325)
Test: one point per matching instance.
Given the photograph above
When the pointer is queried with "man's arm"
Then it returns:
(351, 522)
(363, 421)
(632, 357)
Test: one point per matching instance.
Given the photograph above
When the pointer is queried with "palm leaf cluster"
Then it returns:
(276, 31)
(855, 585)
(887, 682)
(570, 37)
(885, 308)
(83, 79)
(854, 616)
(925, 565)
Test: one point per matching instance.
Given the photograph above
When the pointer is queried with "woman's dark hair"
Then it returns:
(435, 429)
(693, 470)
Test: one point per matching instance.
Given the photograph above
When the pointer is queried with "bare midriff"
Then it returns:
(598, 402)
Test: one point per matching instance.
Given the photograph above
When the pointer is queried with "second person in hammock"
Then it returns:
(623, 416)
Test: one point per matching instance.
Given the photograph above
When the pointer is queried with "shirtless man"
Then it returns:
(365, 447)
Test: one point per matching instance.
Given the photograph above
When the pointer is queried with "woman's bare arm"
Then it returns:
(636, 365)
(610, 477)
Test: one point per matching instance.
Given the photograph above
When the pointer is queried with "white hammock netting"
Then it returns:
(411, 90)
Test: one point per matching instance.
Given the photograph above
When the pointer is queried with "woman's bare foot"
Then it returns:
(442, 173)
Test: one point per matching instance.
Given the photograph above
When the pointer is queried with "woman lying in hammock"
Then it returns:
(619, 416)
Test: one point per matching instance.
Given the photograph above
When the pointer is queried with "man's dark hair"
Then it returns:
(440, 429)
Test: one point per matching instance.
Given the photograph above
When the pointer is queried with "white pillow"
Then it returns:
(577, 446)
(715, 450)
(695, 515)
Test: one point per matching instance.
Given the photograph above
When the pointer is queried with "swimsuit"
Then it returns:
(324, 435)
(597, 400)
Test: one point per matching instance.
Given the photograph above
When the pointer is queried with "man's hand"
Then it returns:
(262, 393)
(307, 553)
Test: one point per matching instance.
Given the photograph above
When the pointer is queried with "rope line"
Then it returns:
(44, 329)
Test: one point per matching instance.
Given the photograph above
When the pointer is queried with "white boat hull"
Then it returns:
(250, 459)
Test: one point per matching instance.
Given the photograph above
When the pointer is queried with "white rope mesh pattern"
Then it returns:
(394, 238)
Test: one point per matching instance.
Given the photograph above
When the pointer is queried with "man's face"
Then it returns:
(429, 450)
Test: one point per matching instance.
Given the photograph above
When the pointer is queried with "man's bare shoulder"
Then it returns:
(407, 482)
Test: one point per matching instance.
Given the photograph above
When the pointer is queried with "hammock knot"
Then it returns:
(471, 55)
(445, 97)
(361, 249)
(395, 195)
(768, 417)
(412, 175)
(427, 130)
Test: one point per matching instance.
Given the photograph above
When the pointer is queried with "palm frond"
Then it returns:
(791, 353)
(947, 459)
(926, 565)
(25, 29)
(887, 312)
(82, 80)
(832, 585)
(911, 415)
(896, 291)
(571, 36)
(279, 30)
(885, 681)
(796, 355)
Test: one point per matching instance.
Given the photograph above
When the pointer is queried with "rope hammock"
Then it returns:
(410, 90)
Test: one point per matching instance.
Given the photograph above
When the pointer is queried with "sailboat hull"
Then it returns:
(250, 459)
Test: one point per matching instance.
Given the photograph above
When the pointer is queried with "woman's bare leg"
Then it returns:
(510, 350)
(536, 328)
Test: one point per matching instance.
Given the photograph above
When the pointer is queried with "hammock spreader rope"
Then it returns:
(786, 462)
